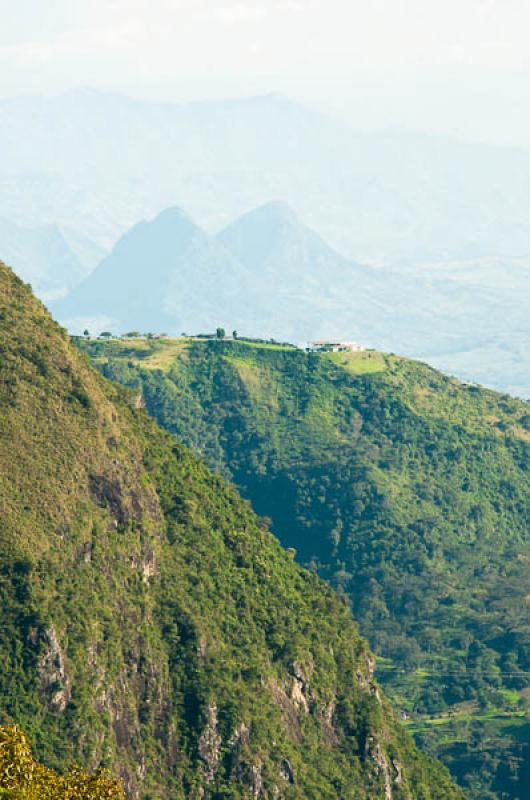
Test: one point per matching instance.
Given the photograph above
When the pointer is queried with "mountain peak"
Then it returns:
(273, 212)
(274, 239)
(169, 226)
(174, 215)
(279, 208)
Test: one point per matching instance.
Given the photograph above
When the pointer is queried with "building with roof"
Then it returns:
(335, 346)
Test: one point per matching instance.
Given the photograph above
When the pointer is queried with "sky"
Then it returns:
(454, 66)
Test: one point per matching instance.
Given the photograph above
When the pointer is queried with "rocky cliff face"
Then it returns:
(150, 624)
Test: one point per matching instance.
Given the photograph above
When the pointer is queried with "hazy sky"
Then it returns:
(460, 66)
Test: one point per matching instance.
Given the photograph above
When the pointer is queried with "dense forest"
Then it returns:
(405, 489)
(151, 624)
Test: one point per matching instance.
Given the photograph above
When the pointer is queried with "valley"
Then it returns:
(405, 489)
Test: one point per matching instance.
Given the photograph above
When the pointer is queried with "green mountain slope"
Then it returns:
(150, 624)
(407, 490)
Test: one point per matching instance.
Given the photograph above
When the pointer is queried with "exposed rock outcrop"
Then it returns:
(54, 679)
(210, 744)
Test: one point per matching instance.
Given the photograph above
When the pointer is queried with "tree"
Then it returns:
(86, 333)
(22, 777)
(220, 333)
(234, 334)
(105, 335)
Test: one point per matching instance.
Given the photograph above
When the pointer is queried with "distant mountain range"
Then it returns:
(98, 162)
(259, 274)
(268, 275)
(450, 218)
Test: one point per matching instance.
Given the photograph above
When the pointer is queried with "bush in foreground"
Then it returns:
(23, 778)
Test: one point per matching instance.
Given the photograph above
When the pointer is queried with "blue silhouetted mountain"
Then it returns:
(162, 274)
(267, 274)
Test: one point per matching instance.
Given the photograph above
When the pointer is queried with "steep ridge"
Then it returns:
(407, 490)
(151, 624)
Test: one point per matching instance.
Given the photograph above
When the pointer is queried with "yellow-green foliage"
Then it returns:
(23, 778)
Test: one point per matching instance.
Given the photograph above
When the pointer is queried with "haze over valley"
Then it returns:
(444, 222)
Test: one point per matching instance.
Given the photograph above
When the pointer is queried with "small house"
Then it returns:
(334, 346)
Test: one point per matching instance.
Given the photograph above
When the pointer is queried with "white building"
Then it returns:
(334, 346)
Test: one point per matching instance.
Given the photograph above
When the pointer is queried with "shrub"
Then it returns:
(22, 778)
